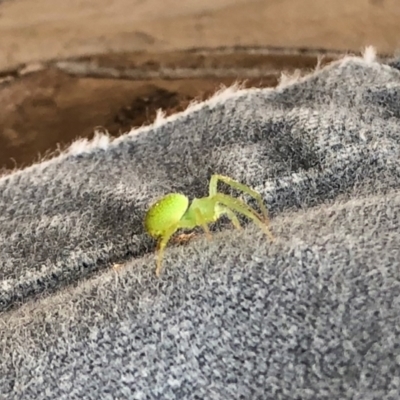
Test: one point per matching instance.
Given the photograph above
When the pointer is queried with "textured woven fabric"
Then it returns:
(313, 315)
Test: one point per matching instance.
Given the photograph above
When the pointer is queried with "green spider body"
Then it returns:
(167, 211)
(173, 212)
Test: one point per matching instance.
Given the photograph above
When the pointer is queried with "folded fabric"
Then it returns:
(313, 315)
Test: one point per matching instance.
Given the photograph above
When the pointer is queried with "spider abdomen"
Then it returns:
(164, 213)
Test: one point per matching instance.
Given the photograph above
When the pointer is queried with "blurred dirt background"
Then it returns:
(70, 68)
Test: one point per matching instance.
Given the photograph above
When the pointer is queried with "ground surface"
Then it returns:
(142, 65)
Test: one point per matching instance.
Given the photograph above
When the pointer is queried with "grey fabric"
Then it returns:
(314, 315)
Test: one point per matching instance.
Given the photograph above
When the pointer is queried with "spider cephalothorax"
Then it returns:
(173, 212)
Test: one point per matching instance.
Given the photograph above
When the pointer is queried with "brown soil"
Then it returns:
(41, 30)
(52, 92)
(46, 107)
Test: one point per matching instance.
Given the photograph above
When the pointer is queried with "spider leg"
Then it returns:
(200, 220)
(162, 244)
(239, 186)
(242, 208)
(232, 216)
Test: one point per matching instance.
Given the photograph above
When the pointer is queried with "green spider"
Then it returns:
(172, 212)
